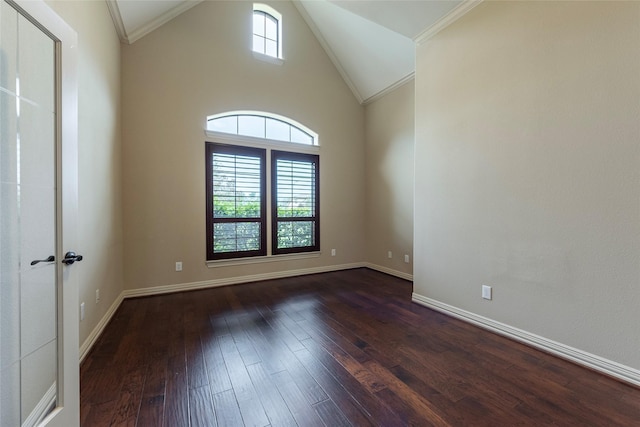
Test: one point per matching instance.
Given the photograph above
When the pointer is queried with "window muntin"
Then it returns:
(267, 31)
(295, 202)
(236, 201)
(262, 125)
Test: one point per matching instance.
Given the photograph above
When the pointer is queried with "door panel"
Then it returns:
(38, 158)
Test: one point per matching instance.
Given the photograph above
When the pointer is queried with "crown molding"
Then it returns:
(114, 10)
(446, 20)
(138, 33)
(316, 32)
(389, 88)
(162, 19)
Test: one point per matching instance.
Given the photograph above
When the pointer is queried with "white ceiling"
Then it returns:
(371, 42)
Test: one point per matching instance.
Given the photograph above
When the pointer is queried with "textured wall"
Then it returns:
(200, 64)
(528, 170)
(389, 135)
(99, 157)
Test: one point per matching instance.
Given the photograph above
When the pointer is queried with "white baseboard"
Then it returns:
(97, 331)
(181, 287)
(390, 271)
(597, 363)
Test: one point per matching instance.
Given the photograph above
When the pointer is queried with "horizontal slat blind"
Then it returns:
(295, 198)
(236, 192)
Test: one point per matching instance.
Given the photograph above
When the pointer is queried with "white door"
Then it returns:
(38, 194)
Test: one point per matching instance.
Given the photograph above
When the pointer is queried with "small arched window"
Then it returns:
(262, 125)
(267, 31)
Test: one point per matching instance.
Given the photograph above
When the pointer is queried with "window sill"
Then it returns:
(261, 259)
(267, 58)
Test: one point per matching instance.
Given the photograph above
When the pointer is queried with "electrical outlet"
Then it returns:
(82, 310)
(333, 252)
(97, 296)
(389, 255)
(486, 292)
(406, 259)
(179, 266)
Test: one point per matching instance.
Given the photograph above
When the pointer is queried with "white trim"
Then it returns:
(88, 343)
(267, 58)
(446, 20)
(597, 363)
(214, 283)
(97, 331)
(316, 32)
(43, 407)
(390, 271)
(249, 141)
(267, 115)
(116, 17)
(261, 259)
(142, 31)
(390, 88)
(265, 8)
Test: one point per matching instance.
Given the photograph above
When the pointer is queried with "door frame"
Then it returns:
(67, 410)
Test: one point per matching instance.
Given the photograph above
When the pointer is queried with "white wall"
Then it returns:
(199, 64)
(389, 136)
(528, 170)
(99, 157)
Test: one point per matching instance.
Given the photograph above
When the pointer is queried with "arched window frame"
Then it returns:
(248, 140)
(268, 12)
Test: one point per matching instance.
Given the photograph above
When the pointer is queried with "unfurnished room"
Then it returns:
(319, 213)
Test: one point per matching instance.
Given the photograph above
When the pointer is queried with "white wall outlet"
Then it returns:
(82, 310)
(179, 266)
(333, 252)
(486, 292)
(97, 296)
(389, 254)
(406, 259)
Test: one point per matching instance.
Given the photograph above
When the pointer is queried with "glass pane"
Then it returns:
(224, 124)
(258, 23)
(28, 297)
(236, 186)
(300, 137)
(295, 234)
(278, 130)
(271, 48)
(258, 44)
(251, 126)
(296, 189)
(236, 236)
(272, 28)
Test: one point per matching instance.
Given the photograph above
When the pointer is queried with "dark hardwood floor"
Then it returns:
(334, 349)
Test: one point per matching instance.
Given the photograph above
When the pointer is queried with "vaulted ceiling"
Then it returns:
(371, 42)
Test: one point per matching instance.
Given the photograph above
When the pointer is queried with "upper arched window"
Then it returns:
(262, 125)
(267, 30)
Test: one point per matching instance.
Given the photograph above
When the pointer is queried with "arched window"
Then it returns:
(267, 31)
(262, 125)
(246, 151)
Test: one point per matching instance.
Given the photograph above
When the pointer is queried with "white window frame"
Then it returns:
(264, 8)
(284, 145)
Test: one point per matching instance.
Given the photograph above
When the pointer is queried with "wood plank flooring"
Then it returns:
(336, 349)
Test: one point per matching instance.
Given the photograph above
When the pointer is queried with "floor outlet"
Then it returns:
(179, 266)
(333, 252)
(486, 292)
(82, 311)
(97, 296)
(406, 259)
(389, 254)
